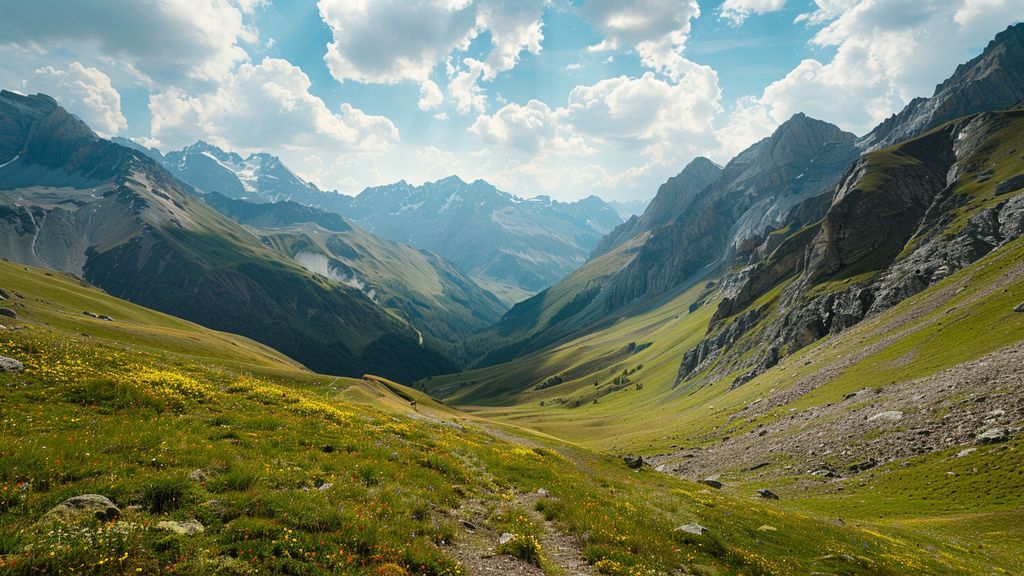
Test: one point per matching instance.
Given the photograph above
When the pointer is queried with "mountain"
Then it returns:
(73, 202)
(716, 214)
(672, 199)
(258, 177)
(629, 208)
(993, 81)
(429, 292)
(511, 245)
(901, 220)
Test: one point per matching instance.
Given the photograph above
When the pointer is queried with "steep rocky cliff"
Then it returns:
(901, 220)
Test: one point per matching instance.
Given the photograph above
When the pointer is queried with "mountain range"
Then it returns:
(771, 197)
(513, 246)
(74, 202)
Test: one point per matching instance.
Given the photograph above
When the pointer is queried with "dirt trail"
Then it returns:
(476, 545)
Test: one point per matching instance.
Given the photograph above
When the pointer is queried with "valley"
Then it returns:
(803, 355)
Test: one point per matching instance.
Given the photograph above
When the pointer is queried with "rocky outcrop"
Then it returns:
(893, 226)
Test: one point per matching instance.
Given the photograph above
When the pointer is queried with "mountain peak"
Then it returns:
(452, 180)
(994, 80)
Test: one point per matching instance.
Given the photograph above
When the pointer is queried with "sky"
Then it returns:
(560, 97)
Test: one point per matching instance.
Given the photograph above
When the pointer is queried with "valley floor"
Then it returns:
(141, 443)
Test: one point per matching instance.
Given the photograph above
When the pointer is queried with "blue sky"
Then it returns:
(559, 97)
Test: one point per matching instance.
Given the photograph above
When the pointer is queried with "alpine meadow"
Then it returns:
(512, 287)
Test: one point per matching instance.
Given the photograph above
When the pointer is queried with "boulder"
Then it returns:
(713, 482)
(890, 416)
(993, 436)
(542, 492)
(1019, 308)
(10, 365)
(966, 452)
(767, 494)
(505, 538)
(94, 505)
(182, 527)
(8, 313)
(1010, 185)
(824, 471)
(692, 528)
(633, 461)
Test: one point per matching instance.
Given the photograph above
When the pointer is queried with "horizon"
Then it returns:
(558, 98)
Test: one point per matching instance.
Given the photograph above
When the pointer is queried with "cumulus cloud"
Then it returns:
(387, 41)
(737, 11)
(607, 132)
(430, 95)
(886, 52)
(84, 91)
(267, 106)
(526, 128)
(464, 88)
(656, 29)
(390, 41)
(162, 41)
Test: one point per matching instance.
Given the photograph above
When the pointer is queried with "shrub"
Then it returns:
(523, 546)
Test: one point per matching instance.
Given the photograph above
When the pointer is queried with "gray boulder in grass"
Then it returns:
(77, 507)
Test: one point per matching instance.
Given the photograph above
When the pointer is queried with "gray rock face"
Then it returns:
(755, 191)
(767, 494)
(10, 365)
(633, 461)
(886, 201)
(76, 507)
(8, 313)
(182, 527)
(505, 538)
(673, 198)
(712, 482)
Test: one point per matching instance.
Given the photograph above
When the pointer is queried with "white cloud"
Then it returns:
(267, 106)
(516, 26)
(430, 96)
(387, 41)
(656, 29)
(84, 91)
(464, 88)
(606, 134)
(390, 41)
(887, 52)
(737, 11)
(161, 41)
(526, 128)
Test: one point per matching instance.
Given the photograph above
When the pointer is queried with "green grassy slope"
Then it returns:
(298, 473)
(429, 292)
